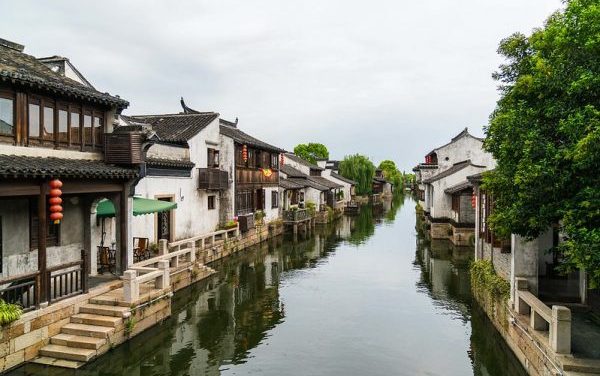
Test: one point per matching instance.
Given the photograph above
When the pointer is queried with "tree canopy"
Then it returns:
(545, 134)
(311, 152)
(392, 174)
(360, 169)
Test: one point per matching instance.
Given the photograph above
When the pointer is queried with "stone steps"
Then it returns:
(68, 353)
(103, 310)
(82, 342)
(97, 320)
(85, 330)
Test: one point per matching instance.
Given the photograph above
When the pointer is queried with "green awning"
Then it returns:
(141, 206)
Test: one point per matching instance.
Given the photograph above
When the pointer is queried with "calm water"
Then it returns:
(364, 297)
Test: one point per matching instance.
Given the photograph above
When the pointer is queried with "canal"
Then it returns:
(366, 296)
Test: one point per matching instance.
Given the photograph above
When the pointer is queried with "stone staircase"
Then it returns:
(87, 335)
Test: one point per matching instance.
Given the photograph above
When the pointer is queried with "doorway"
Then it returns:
(164, 222)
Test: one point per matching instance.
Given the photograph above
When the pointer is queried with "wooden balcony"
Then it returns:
(123, 148)
(255, 176)
(213, 179)
(299, 215)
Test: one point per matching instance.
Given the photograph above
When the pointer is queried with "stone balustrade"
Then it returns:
(556, 320)
(133, 278)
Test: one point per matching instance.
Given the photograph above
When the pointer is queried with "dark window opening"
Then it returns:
(211, 202)
(7, 120)
(212, 159)
(274, 199)
(52, 233)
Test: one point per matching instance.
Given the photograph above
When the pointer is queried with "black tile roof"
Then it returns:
(455, 168)
(245, 139)
(175, 127)
(24, 69)
(342, 178)
(309, 183)
(18, 166)
(170, 163)
(463, 133)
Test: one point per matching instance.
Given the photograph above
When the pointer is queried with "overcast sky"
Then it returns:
(387, 78)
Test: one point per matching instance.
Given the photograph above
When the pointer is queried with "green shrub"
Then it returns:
(484, 278)
(9, 312)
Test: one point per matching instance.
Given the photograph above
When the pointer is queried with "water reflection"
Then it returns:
(340, 302)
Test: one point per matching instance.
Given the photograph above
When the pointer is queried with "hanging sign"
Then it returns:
(55, 201)
(267, 172)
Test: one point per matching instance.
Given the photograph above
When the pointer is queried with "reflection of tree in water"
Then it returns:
(397, 203)
(364, 225)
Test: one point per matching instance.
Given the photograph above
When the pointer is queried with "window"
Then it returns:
(75, 124)
(52, 234)
(87, 129)
(275, 161)
(456, 203)
(63, 126)
(98, 131)
(48, 128)
(6, 116)
(213, 158)
(34, 119)
(244, 202)
(211, 202)
(274, 199)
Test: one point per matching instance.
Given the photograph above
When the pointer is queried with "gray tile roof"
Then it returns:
(310, 183)
(175, 127)
(297, 159)
(290, 184)
(21, 68)
(455, 168)
(326, 182)
(292, 172)
(18, 166)
(245, 139)
(459, 187)
(169, 163)
(344, 179)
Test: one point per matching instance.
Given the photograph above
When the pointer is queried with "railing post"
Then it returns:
(163, 281)
(84, 277)
(192, 255)
(560, 330)
(520, 306)
(163, 247)
(131, 287)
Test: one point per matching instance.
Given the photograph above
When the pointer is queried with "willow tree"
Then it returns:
(545, 134)
(360, 169)
(392, 174)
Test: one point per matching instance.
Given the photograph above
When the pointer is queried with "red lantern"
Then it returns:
(245, 153)
(473, 201)
(281, 159)
(55, 201)
(56, 217)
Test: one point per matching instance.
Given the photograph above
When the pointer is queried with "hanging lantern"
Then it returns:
(267, 172)
(473, 201)
(281, 159)
(55, 201)
(245, 153)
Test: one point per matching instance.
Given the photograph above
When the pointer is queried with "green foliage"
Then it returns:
(392, 174)
(259, 215)
(311, 207)
(364, 226)
(484, 278)
(545, 135)
(130, 325)
(311, 152)
(9, 312)
(360, 169)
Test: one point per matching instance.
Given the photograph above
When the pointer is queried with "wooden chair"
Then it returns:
(106, 259)
(140, 249)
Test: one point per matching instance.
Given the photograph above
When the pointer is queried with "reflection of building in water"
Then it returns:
(445, 274)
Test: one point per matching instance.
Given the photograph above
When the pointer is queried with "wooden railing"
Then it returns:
(67, 280)
(22, 290)
(213, 179)
(556, 320)
(296, 215)
(61, 282)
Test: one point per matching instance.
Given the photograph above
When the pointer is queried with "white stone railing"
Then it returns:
(556, 320)
(201, 241)
(133, 278)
